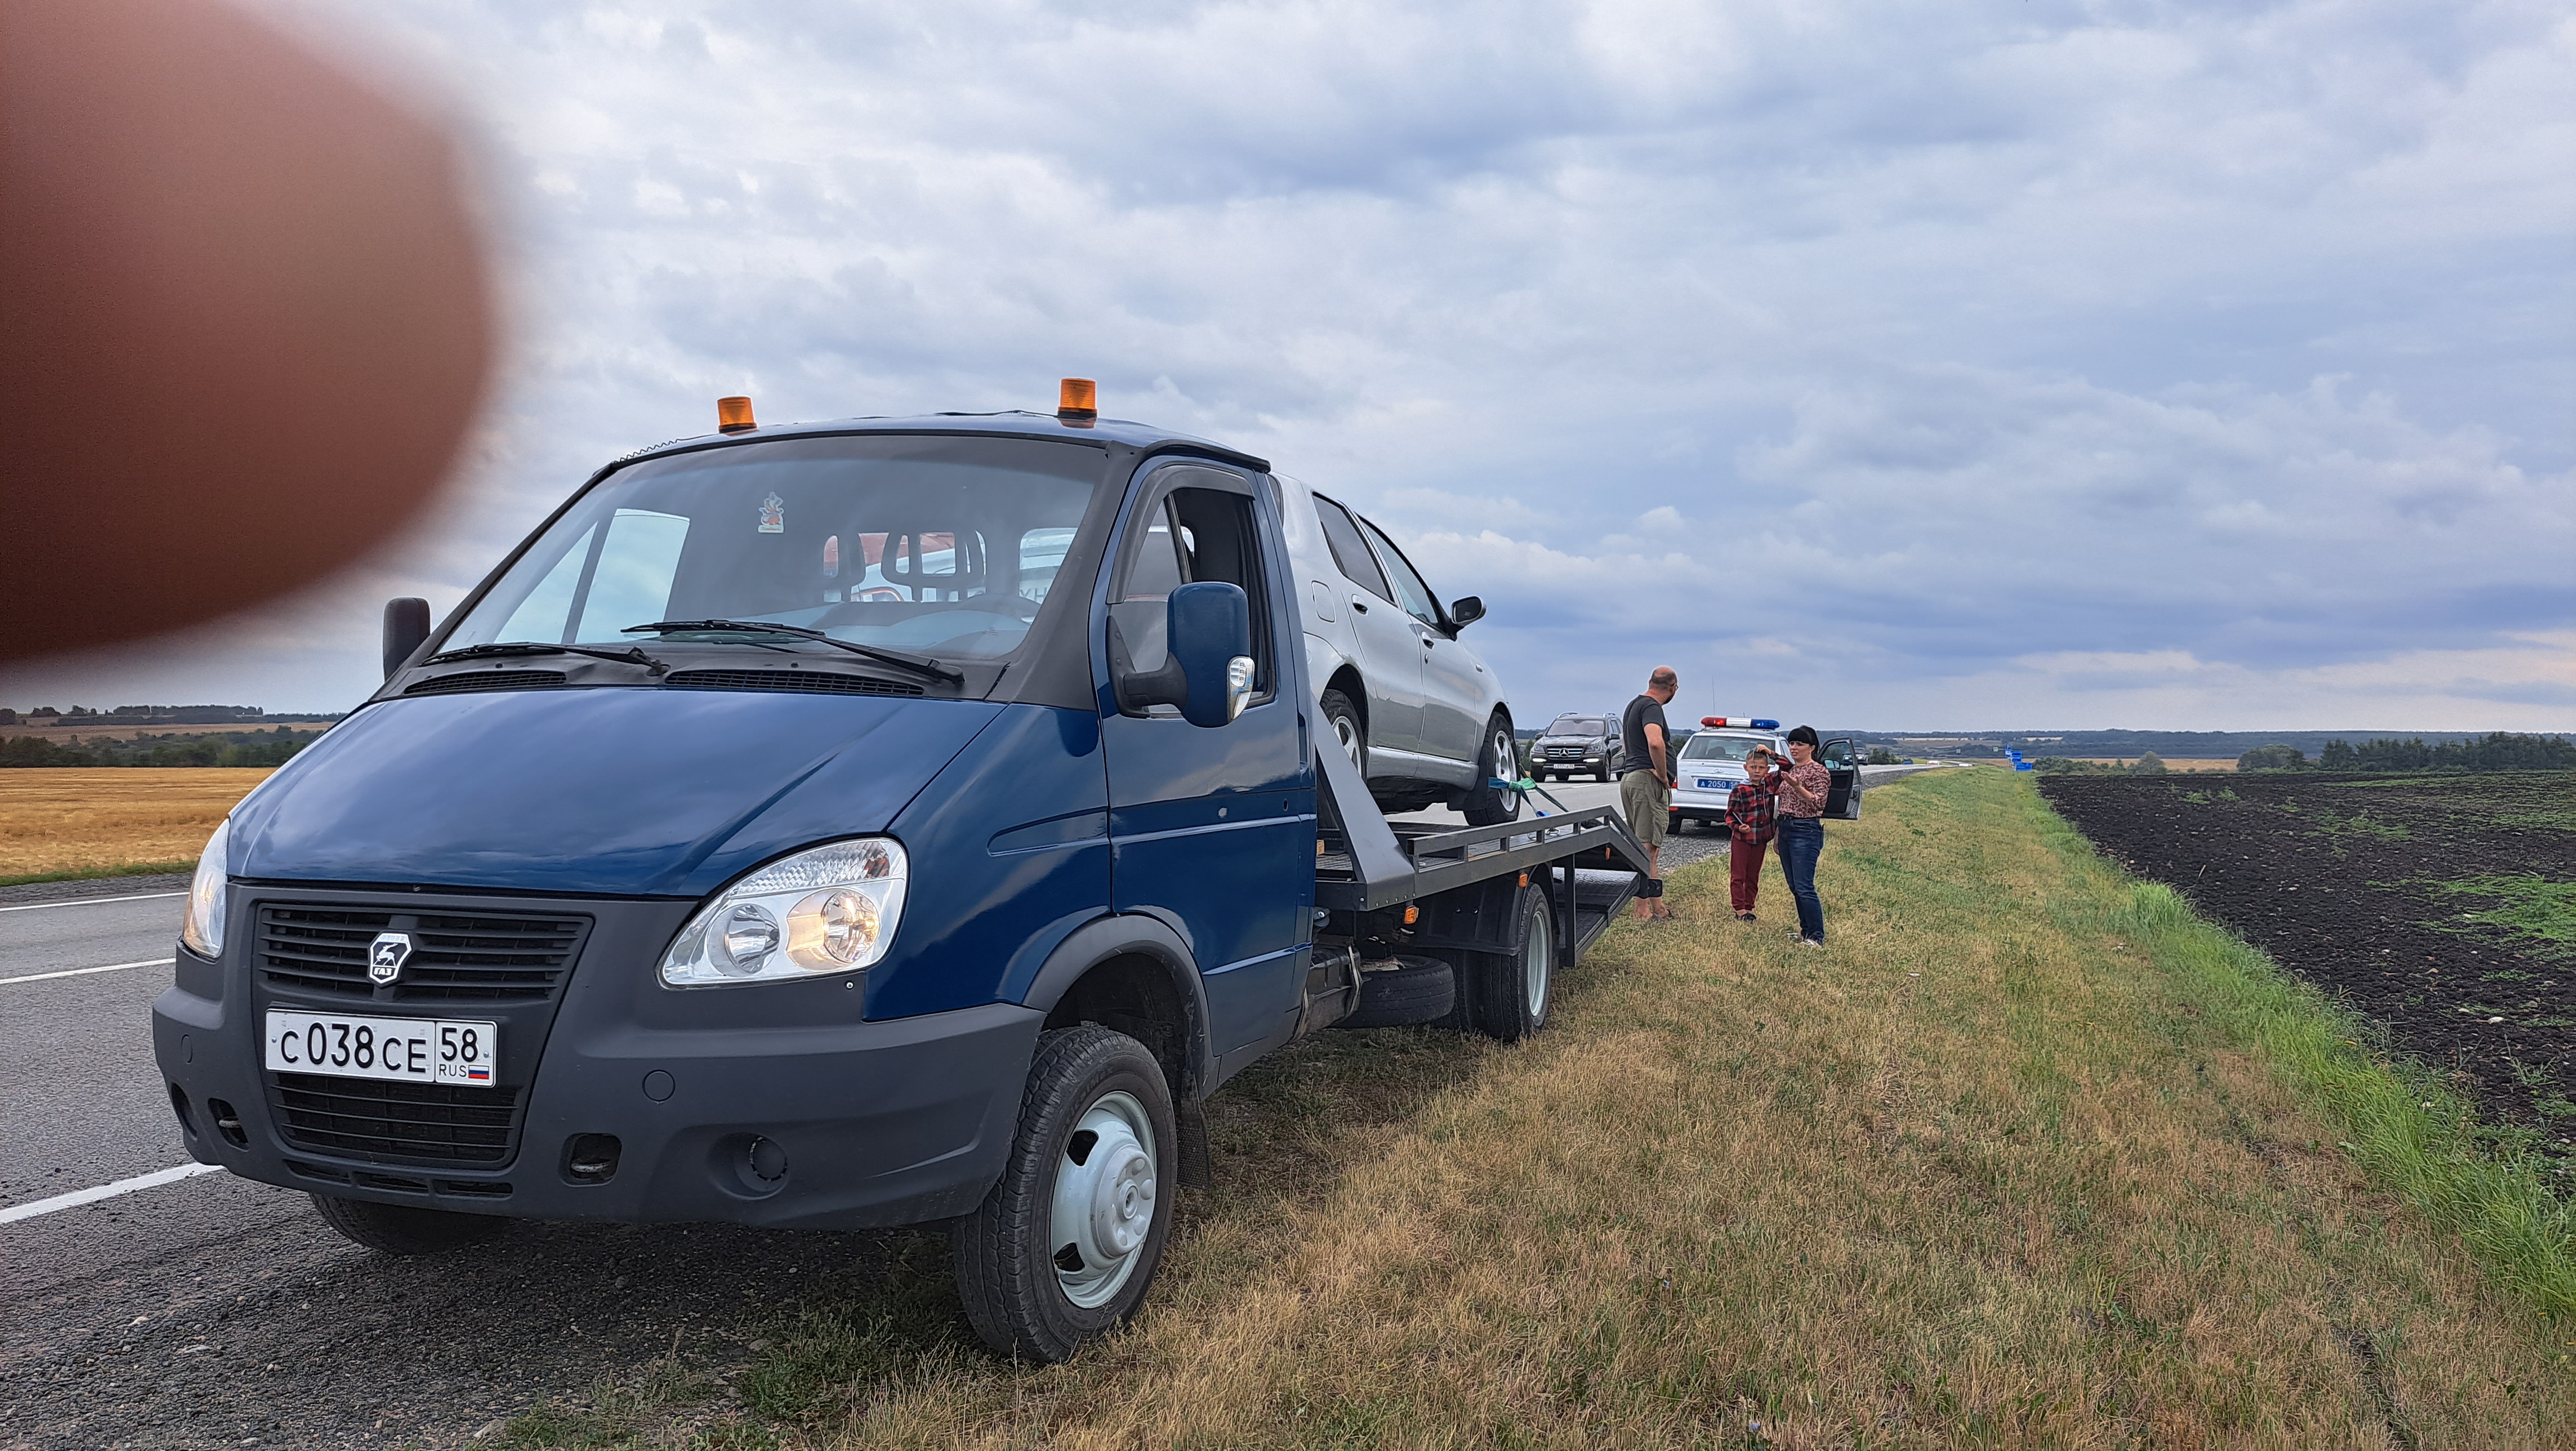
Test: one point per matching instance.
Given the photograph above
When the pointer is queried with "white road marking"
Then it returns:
(82, 971)
(80, 1197)
(90, 901)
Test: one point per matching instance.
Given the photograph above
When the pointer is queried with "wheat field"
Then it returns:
(100, 821)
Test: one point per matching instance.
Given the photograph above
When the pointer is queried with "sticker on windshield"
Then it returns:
(773, 515)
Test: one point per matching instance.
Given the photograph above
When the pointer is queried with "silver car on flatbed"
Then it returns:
(1410, 702)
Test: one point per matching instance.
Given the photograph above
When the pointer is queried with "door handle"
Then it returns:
(1359, 604)
(1428, 641)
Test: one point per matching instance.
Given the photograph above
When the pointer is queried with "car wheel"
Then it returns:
(1062, 1249)
(1486, 804)
(1342, 721)
(402, 1231)
(1423, 990)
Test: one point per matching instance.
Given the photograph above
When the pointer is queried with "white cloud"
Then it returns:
(1946, 338)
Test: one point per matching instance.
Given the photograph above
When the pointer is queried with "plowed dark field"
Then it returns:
(2437, 906)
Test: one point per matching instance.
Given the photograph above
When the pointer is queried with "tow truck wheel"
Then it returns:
(1513, 993)
(1063, 1248)
(400, 1230)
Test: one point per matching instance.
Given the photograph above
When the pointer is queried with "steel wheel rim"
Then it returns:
(1106, 1181)
(1538, 966)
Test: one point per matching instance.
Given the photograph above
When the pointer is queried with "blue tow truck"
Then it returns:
(841, 825)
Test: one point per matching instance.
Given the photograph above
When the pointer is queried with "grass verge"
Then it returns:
(91, 874)
(2029, 1156)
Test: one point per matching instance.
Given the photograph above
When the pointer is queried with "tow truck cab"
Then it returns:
(828, 826)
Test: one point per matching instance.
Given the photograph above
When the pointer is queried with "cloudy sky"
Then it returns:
(2019, 363)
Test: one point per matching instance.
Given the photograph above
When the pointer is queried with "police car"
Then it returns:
(1712, 764)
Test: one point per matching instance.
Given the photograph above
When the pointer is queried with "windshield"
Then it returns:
(939, 546)
(1579, 725)
(1713, 746)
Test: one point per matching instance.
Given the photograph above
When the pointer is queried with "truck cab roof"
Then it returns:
(1012, 423)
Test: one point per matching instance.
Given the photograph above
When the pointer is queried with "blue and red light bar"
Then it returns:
(1714, 722)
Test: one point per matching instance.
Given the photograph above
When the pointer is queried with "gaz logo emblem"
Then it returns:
(386, 956)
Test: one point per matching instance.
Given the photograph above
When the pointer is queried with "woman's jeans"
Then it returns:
(1802, 840)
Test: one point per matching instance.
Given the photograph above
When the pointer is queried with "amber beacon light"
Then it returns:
(733, 415)
(1077, 400)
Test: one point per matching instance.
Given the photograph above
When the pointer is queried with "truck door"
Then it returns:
(1212, 829)
(1388, 650)
(1842, 762)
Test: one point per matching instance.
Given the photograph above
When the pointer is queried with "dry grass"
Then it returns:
(81, 821)
(2171, 764)
(1980, 1174)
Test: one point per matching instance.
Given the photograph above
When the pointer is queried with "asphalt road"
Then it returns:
(212, 1311)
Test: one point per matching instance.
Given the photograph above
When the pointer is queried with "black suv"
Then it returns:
(1577, 743)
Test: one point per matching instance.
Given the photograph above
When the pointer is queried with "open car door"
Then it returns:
(1842, 761)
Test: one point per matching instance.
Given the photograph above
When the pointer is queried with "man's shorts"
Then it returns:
(1646, 801)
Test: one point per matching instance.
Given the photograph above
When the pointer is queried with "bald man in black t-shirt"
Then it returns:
(1646, 782)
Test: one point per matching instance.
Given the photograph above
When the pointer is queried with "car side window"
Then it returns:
(1140, 601)
(1415, 595)
(1350, 551)
(1838, 754)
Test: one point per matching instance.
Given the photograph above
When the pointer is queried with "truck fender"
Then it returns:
(1133, 935)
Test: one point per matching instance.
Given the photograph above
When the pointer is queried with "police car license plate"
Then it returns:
(1706, 784)
(403, 1050)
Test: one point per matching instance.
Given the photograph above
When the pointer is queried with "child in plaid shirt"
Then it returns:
(1750, 810)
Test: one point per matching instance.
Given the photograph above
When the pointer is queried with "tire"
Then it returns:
(1342, 721)
(402, 1231)
(1484, 804)
(1050, 1262)
(1423, 990)
(1515, 993)
(1605, 772)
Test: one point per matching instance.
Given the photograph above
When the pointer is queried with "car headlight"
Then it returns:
(827, 910)
(203, 930)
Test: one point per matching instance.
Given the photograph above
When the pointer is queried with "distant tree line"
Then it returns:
(2149, 764)
(218, 748)
(2501, 751)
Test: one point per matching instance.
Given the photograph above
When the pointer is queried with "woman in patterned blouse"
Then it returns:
(1803, 788)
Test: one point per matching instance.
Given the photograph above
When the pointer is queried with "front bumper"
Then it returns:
(880, 1123)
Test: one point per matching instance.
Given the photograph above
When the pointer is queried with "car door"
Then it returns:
(1842, 762)
(1212, 829)
(1390, 652)
(1454, 690)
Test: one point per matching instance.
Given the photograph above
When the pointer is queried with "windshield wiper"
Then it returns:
(631, 655)
(921, 663)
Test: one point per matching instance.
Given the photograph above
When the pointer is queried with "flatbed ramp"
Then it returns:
(1587, 861)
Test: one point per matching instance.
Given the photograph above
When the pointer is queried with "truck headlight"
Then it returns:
(203, 930)
(830, 909)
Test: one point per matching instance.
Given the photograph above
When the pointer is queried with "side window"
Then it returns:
(1837, 754)
(1191, 535)
(1416, 596)
(1146, 578)
(1350, 551)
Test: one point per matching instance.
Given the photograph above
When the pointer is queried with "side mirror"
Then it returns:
(406, 626)
(1209, 671)
(1466, 610)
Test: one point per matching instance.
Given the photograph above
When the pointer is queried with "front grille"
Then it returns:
(822, 682)
(486, 680)
(1565, 753)
(484, 957)
(395, 1123)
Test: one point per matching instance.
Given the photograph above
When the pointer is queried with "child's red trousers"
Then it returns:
(1744, 871)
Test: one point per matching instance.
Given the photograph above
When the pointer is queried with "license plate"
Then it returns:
(404, 1050)
(1708, 785)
